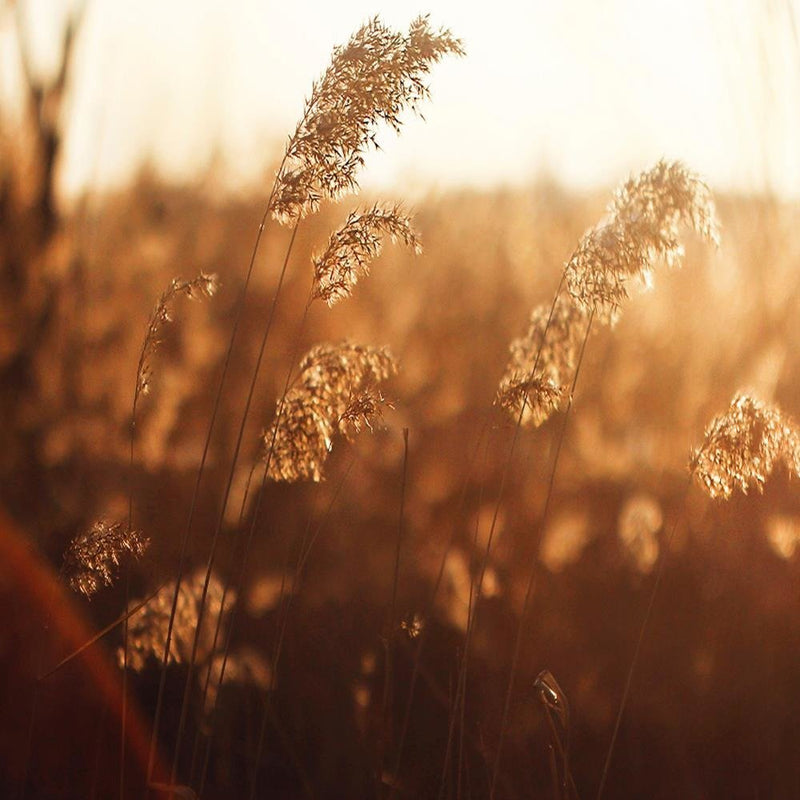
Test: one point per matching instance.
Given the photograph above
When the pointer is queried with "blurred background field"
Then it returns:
(714, 710)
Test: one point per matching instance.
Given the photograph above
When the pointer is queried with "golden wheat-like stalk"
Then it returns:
(542, 361)
(92, 558)
(641, 227)
(201, 286)
(355, 245)
(377, 75)
(334, 392)
(742, 446)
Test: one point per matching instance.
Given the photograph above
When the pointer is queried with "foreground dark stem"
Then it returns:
(388, 642)
(535, 563)
(221, 517)
(636, 652)
(429, 607)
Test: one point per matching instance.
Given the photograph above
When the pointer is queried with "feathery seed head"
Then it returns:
(741, 447)
(542, 361)
(362, 410)
(642, 226)
(354, 246)
(671, 194)
(92, 558)
(373, 78)
(195, 289)
(147, 628)
(334, 392)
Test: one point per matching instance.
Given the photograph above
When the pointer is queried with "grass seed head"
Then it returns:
(93, 557)
(372, 79)
(642, 227)
(354, 246)
(542, 361)
(334, 392)
(195, 289)
(742, 446)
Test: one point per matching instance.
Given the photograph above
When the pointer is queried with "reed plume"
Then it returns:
(542, 362)
(354, 246)
(372, 79)
(201, 286)
(334, 392)
(92, 558)
(642, 227)
(148, 627)
(742, 446)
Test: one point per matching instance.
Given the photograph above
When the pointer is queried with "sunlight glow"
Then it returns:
(578, 90)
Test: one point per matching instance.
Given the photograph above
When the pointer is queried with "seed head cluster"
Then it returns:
(147, 628)
(354, 246)
(542, 361)
(92, 558)
(372, 79)
(742, 446)
(642, 226)
(334, 392)
(199, 287)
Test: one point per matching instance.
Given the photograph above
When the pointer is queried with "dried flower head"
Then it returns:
(92, 558)
(642, 227)
(742, 446)
(201, 286)
(354, 246)
(334, 392)
(362, 411)
(147, 628)
(542, 361)
(373, 78)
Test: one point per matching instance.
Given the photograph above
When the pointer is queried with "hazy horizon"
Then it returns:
(575, 91)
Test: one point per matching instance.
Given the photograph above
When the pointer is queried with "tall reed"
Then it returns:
(641, 228)
(739, 451)
(372, 79)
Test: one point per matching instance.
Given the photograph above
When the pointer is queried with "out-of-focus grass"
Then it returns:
(715, 702)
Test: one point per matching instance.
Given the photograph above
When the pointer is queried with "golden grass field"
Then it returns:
(332, 579)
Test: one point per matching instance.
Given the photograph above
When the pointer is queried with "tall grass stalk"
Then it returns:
(237, 317)
(221, 516)
(641, 227)
(372, 78)
(739, 450)
(389, 635)
(533, 572)
(429, 607)
(637, 651)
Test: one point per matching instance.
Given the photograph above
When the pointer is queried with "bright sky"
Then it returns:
(585, 90)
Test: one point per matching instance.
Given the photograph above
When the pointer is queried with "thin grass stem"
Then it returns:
(535, 562)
